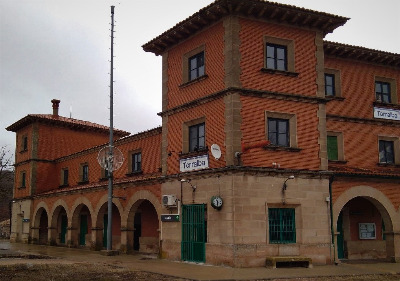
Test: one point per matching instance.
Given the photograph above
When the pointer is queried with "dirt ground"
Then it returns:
(86, 272)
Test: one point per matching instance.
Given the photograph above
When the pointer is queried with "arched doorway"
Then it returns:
(82, 226)
(361, 228)
(143, 219)
(59, 224)
(102, 224)
(43, 227)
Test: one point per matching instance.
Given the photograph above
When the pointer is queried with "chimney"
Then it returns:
(55, 107)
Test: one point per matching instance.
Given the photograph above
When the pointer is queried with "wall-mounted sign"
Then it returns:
(386, 113)
(216, 151)
(367, 231)
(194, 163)
(170, 218)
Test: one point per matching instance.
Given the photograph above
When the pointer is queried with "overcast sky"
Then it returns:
(60, 49)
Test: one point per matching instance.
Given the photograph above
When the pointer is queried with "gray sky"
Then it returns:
(60, 49)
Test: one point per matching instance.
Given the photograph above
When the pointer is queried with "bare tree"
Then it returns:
(6, 181)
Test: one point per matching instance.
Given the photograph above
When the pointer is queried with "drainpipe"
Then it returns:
(331, 179)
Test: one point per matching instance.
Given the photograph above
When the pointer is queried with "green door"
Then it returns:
(84, 230)
(194, 231)
(64, 222)
(105, 223)
(340, 237)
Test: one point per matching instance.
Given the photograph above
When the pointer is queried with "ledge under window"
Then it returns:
(280, 72)
(282, 148)
(389, 165)
(201, 78)
(63, 186)
(22, 187)
(341, 162)
(137, 173)
(193, 153)
(83, 182)
(335, 98)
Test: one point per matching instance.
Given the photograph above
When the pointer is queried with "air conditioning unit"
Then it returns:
(169, 200)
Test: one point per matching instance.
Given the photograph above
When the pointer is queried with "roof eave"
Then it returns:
(256, 9)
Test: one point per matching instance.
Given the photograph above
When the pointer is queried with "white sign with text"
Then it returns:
(386, 113)
(194, 163)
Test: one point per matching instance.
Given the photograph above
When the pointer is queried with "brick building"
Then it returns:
(273, 142)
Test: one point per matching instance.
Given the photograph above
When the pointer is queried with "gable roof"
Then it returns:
(257, 9)
(70, 123)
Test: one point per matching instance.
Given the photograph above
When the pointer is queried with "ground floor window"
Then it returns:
(282, 225)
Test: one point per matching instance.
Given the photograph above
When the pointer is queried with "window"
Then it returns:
(279, 56)
(333, 153)
(84, 173)
(329, 84)
(24, 143)
(136, 162)
(64, 177)
(386, 152)
(282, 225)
(281, 130)
(196, 66)
(276, 57)
(278, 132)
(382, 90)
(332, 83)
(197, 137)
(335, 146)
(23, 179)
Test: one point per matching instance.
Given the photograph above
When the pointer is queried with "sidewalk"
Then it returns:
(187, 270)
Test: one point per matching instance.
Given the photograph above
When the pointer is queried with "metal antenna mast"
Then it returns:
(110, 170)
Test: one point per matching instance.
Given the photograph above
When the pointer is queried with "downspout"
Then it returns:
(331, 179)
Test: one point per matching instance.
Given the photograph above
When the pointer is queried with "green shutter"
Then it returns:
(282, 225)
(194, 233)
(332, 148)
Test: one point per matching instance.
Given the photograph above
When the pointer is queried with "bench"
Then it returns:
(288, 261)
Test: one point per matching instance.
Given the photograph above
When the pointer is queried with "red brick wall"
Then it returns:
(358, 86)
(253, 129)
(55, 142)
(252, 58)
(389, 188)
(214, 113)
(212, 38)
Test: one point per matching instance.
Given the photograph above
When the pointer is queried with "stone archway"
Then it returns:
(346, 210)
(81, 224)
(59, 223)
(142, 223)
(40, 225)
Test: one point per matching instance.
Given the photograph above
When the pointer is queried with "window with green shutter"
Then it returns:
(333, 148)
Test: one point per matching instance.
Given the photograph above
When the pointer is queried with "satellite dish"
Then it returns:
(110, 161)
(216, 151)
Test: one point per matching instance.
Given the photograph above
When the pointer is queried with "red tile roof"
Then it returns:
(63, 121)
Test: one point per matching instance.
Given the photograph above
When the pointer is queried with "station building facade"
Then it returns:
(273, 142)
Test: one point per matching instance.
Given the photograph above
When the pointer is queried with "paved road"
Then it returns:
(188, 270)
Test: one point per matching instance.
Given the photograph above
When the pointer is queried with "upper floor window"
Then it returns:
(333, 153)
(279, 56)
(196, 66)
(136, 162)
(23, 179)
(197, 137)
(278, 132)
(335, 146)
(382, 91)
(84, 172)
(386, 152)
(329, 84)
(276, 57)
(24, 143)
(64, 176)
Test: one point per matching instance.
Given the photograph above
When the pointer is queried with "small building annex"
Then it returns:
(273, 142)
